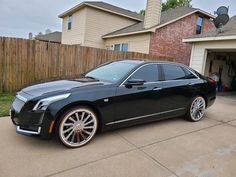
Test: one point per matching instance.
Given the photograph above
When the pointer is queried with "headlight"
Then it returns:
(44, 103)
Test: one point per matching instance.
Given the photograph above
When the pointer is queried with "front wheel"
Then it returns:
(196, 110)
(77, 127)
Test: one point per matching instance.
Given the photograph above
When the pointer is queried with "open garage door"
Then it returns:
(221, 66)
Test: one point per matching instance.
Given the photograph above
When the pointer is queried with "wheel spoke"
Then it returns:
(71, 119)
(91, 121)
(87, 118)
(77, 137)
(87, 132)
(83, 136)
(68, 136)
(77, 116)
(90, 127)
(69, 129)
(68, 124)
(82, 116)
(73, 138)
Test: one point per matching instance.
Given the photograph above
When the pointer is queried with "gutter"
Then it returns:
(206, 39)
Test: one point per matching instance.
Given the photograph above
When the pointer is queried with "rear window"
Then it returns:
(189, 75)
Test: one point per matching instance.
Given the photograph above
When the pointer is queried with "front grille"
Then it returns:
(18, 104)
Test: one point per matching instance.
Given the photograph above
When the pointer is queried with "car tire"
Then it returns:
(77, 127)
(196, 109)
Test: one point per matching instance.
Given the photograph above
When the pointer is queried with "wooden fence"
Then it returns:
(23, 62)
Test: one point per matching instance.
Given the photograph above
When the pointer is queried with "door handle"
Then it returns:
(157, 89)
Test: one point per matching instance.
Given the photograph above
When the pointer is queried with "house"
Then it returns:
(102, 25)
(214, 53)
(54, 37)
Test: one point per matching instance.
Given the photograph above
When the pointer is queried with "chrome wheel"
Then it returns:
(78, 127)
(197, 109)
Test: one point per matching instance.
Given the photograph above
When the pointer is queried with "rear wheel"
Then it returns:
(196, 110)
(77, 127)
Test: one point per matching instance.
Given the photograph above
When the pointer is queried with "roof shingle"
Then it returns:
(166, 16)
(105, 6)
(51, 37)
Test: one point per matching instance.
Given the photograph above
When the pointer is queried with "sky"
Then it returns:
(19, 17)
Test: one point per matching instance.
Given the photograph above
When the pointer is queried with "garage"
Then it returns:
(214, 55)
(221, 66)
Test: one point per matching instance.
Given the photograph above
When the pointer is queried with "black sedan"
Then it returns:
(117, 94)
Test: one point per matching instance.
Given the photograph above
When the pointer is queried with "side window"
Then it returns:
(117, 47)
(121, 47)
(125, 47)
(189, 75)
(69, 22)
(147, 73)
(199, 25)
(173, 72)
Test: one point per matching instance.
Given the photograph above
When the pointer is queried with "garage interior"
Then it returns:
(221, 66)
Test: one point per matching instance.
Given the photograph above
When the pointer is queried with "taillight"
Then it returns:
(213, 82)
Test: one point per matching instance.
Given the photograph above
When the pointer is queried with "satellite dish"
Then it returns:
(222, 18)
(222, 10)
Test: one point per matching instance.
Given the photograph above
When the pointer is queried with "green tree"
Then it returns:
(142, 12)
(170, 4)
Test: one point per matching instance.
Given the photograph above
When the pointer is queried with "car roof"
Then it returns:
(143, 61)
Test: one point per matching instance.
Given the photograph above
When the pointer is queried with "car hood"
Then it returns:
(58, 86)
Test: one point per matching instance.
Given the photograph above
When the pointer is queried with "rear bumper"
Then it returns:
(211, 101)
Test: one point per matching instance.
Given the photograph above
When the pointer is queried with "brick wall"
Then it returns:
(168, 40)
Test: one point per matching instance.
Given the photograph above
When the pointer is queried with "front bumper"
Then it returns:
(31, 132)
(30, 122)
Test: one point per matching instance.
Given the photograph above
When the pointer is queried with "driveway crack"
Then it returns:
(148, 156)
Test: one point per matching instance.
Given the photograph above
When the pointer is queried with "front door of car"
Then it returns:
(176, 91)
(137, 102)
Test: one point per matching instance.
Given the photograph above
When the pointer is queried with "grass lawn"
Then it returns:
(5, 101)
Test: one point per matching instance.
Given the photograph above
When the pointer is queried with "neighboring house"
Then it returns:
(214, 50)
(54, 37)
(101, 25)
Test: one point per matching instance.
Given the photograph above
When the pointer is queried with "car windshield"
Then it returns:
(111, 72)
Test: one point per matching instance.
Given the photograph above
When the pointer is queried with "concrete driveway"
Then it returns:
(169, 148)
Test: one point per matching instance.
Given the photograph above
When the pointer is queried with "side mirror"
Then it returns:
(134, 82)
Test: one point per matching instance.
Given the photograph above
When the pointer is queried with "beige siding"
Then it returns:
(137, 43)
(199, 52)
(89, 25)
(153, 13)
(99, 23)
(77, 33)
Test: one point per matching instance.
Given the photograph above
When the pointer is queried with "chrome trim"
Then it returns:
(164, 81)
(197, 78)
(22, 98)
(140, 117)
(18, 129)
(157, 89)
